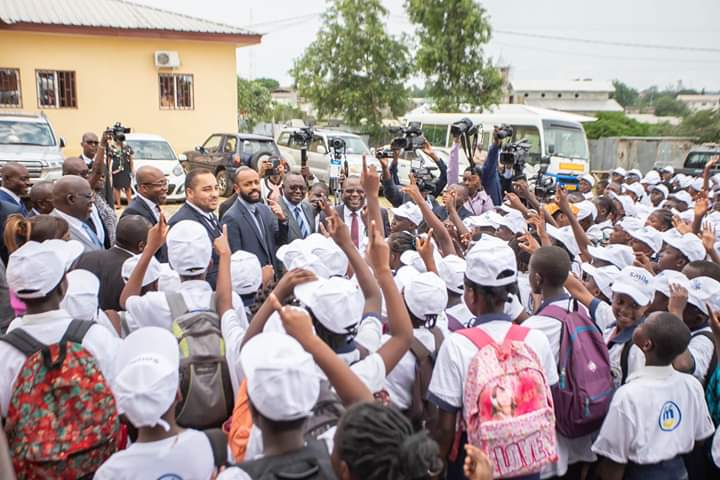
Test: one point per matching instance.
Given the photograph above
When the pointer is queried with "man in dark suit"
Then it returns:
(107, 264)
(300, 214)
(252, 225)
(152, 189)
(15, 183)
(351, 212)
(6, 209)
(201, 200)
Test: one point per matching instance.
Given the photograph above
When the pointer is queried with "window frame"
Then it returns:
(56, 86)
(19, 89)
(175, 77)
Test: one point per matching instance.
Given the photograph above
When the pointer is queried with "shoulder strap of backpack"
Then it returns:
(218, 444)
(624, 356)
(22, 341)
(439, 338)
(477, 336)
(419, 349)
(553, 311)
(516, 333)
(76, 331)
(177, 304)
(714, 360)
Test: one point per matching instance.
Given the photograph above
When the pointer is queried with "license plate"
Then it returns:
(572, 166)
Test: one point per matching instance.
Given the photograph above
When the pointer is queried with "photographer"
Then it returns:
(121, 164)
(390, 181)
(490, 177)
(272, 172)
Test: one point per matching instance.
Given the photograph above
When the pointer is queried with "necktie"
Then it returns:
(301, 221)
(256, 213)
(355, 230)
(91, 234)
(214, 223)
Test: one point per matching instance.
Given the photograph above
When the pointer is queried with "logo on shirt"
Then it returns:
(670, 417)
(170, 476)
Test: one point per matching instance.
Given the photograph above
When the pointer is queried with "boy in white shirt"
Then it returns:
(659, 414)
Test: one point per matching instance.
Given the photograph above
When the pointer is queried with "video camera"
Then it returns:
(338, 148)
(303, 136)
(410, 137)
(117, 131)
(464, 126)
(514, 155)
(424, 177)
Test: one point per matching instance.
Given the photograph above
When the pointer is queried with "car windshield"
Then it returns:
(698, 159)
(568, 142)
(151, 150)
(251, 147)
(25, 133)
(355, 146)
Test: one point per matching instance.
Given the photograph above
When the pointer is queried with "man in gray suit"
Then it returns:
(73, 201)
(300, 214)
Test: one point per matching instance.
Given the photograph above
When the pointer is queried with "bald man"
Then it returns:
(89, 144)
(152, 187)
(15, 183)
(107, 264)
(73, 202)
(41, 198)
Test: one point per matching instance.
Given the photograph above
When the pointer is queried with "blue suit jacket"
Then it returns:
(5, 197)
(6, 209)
(186, 212)
(244, 235)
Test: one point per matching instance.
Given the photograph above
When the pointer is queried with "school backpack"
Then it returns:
(423, 413)
(453, 323)
(62, 419)
(311, 462)
(508, 405)
(207, 394)
(583, 393)
(325, 414)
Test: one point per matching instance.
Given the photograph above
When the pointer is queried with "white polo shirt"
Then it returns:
(48, 328)
(702, 350)
(657, 415)
(448, 382)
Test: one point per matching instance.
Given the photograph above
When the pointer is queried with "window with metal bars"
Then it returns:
(176, 91)
(56, 89)
(10, 95)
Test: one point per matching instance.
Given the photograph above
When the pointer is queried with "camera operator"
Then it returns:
(390, 179)
(477, 200)
(122, 168)
(489, 174)
(272, 172)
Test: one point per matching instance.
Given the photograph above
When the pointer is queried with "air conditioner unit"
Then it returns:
(166, 59)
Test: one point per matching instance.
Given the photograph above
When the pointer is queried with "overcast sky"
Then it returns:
(290, 25)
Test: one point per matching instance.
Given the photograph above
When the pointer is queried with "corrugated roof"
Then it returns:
(576, 105)
(118, 14)
(699, 98)
(586, 85)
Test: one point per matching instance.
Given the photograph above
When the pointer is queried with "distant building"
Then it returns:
(581, 96)
(700, 102)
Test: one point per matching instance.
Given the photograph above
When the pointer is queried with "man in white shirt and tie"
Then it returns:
(152, 188)
(301, 218)
(73, 201)
(89, 144)
(15, 183)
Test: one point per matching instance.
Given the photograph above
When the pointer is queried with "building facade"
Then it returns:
(581, 96)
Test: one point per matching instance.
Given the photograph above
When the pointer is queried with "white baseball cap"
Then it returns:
(329, 253)
(635, 188)
(283, 381)
(683, 181)
(635, 172)
(628, 205)
(425, 294)
(337, 303)
(81, 298)
(409, 211)
(668, 169)
(586, 209)
(703, 291)
(637, 283)
(649, 236)
(682, 196)
(245, 272)
(297, 254)
(491, 264)
(169, 280)
(490, 219)
(664, 279)
(620, 171)
(513, 221)
(151, 274)
(36, 268)
(619, 255)
(697, 184)
(147, 376)
(604, 276)
(404, 275)
(454, 273)
(189, 248)
(689, 245)
(565, 236)
(651, 178)
(628, 223)
(662, 188)
(588, 178)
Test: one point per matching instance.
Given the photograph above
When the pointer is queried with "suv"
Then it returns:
(29, 139)
(319, 152)
(223, 153)
(697, 157)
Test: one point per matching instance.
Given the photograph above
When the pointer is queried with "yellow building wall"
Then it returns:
(116, 80)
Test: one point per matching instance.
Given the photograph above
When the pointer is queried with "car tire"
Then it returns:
(224, 182)
(257, 158)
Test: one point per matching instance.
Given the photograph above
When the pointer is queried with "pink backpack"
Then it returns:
(508, 404)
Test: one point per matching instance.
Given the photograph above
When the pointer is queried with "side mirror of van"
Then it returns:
(551, 149)
(62, 142)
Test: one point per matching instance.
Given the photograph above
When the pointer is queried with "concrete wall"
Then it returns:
(636, 152)
(116, 80)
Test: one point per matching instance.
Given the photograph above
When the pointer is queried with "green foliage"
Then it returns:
(354, 69)
(617, 124)
(451, 36)
(667, 106)
(253, 101)
(705, 125)
(625, 95)
(269, 83)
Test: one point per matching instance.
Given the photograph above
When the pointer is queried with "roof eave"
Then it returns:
(240, 39)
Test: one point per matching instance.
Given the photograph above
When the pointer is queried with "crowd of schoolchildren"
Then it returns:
(573, 337)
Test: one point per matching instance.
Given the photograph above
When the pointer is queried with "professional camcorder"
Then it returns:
(513, 156)
(463, 127)
(303, 136)
(117, 131)
(503, 131)
(424, 178)
(409, 138)
(338, 148)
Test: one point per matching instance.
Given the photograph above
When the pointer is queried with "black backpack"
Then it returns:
(311, 462)
(421, 412)
(325, 414)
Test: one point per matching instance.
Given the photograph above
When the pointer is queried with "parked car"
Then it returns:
(697, 157)
(149, 149)
(223, 153)
(319, 152)
(29, 139)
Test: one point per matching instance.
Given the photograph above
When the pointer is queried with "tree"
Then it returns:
(625, 95)
(451, 35)
(617, 124)
(667, 106)
(253, 101)
(269, 83)
(705, 125)
(354, 69)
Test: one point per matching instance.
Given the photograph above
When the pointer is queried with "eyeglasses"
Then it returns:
(86, 196)
(161, 183)
(299, 188)
(92, 142)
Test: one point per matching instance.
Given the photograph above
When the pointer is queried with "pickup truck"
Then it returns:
(697, 157)
(29, 139)
(223, 153)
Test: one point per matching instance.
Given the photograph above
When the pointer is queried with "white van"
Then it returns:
(555, 135)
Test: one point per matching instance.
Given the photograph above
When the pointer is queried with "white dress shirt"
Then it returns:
(154, 207)
(362, 231)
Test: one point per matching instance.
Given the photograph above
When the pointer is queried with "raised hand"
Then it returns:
(338, 231)
(708, 236)
(156, 235)
(680, 225)
(561, 198)
(276, 209)
(701, 204)
(412, 190)
(297, 322)
(424, 246)
(449, 199)
(514, 200)
(477, 465)
(378, 252)
(369, 178)
(528, 243)
(222, 247)
(290, 280)
(678, 299)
